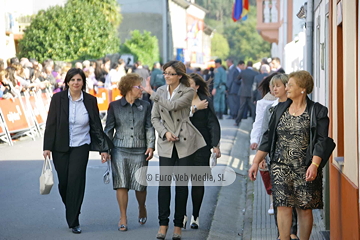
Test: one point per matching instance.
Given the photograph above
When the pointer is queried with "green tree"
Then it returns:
(143, 46)
(219, 46)
(243, 39)
(110, 8)
(245, 42)
(74, 32)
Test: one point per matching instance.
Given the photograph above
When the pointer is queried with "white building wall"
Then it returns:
(178, 26)
(2, 31)
(44, 4)
(278, 50)
(294, 53)
(298, 24)
(145, 6)
(320, 45)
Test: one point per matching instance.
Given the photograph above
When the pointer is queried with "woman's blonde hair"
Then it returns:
(282, 77)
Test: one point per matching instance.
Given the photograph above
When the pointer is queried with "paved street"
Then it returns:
(25, 214)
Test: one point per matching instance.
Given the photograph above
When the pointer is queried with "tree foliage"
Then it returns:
(243, 39)
(110, 8)
(219, 46)
(74, 32)
(245, 42)
(143, 46)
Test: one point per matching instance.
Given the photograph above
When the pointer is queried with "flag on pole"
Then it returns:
(237, 10)
(246, 9)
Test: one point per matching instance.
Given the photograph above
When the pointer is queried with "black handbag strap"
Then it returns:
(311, 124)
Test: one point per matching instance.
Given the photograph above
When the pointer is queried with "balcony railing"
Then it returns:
(268, 19)
(270, 11)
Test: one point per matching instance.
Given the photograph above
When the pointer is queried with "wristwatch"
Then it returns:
(195, 108)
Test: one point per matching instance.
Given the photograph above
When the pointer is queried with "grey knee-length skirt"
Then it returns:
(125, 163)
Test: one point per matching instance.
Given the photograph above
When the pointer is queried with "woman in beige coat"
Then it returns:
(178, 140)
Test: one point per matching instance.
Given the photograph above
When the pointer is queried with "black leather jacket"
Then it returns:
(320, 131)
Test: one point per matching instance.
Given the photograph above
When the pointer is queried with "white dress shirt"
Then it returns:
(79, 127)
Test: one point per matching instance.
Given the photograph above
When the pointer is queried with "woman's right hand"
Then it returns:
(46, 154)
(170, 137)
(202, 104)
(147, 87)
(253, 146)
(253, 171)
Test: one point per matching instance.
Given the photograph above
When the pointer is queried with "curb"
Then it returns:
(231, 208)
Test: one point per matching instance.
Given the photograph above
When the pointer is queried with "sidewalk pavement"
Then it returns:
(241, 209)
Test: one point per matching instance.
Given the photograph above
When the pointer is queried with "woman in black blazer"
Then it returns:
(73, 128)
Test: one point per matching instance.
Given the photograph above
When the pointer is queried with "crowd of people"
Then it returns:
(183, 105)
(18, 76)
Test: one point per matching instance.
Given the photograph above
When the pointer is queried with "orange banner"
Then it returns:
(103, 99)
(14, 115)
(38, 109)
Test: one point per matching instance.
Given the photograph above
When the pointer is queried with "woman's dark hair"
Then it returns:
(71, 73)
(99, 72)
(199, 81)
(31, 74)
(264, 85)
(180, 69)
(10, 74)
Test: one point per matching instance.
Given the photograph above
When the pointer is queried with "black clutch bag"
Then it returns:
(328, 145)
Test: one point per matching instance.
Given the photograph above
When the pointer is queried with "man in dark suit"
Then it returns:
(247, 79)
(276, 65)
(232, 88)
(264, 71)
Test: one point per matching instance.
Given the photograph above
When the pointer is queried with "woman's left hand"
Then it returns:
(311, 173)
(216, 150)
(150, 153)
(147, 87)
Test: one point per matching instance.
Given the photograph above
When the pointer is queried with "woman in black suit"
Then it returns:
(203, 117)
(73, 128)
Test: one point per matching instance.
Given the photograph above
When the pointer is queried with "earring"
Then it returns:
(196, 90)
(302, 92)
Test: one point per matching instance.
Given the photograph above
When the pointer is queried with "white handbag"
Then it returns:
(46, 178)
(106, 176)
(213, 160)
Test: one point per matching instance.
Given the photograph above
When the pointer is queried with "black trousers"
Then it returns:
(71, 170)
(164, 193)
(234, 104)
(244, 103)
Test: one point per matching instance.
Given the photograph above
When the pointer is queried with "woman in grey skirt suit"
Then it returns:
(134, 141)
